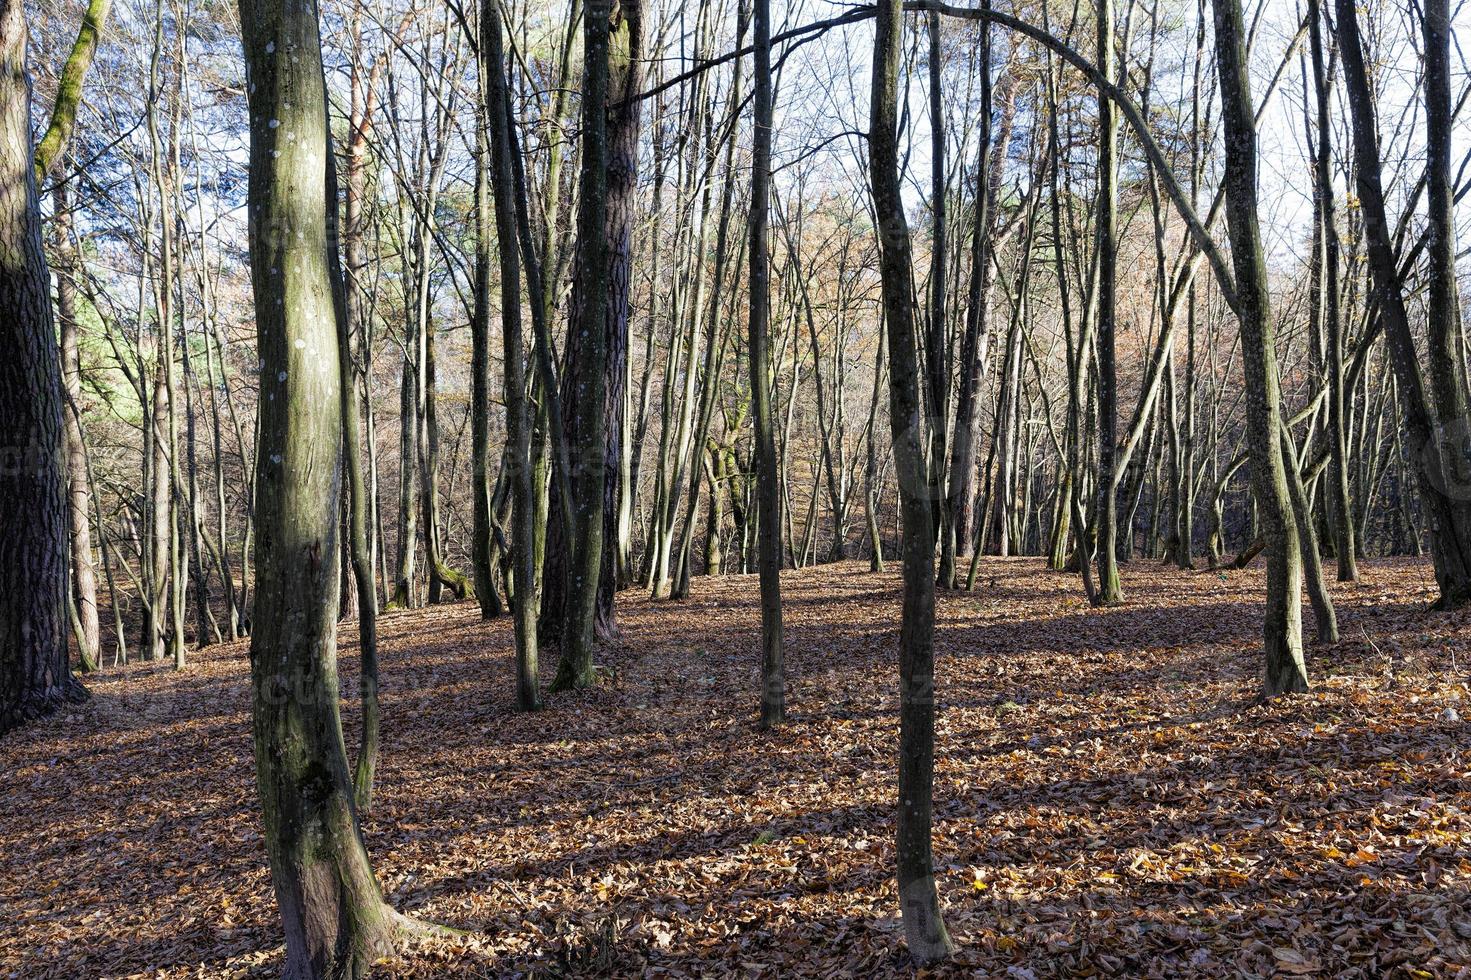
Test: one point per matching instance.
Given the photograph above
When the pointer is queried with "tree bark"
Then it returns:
(336, 922)
(518, 422)
(1340, 507)
(768, 486)
(919, 899)
(35, 673)
(1109, 589)
(1434, 422)
(587, 366)
(1282, 627)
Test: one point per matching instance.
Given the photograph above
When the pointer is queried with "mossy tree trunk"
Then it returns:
(1282, 629)
(336, 922)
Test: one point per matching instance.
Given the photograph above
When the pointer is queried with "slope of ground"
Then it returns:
(1110, 799)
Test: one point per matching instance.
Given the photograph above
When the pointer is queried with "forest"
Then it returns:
(550, 488)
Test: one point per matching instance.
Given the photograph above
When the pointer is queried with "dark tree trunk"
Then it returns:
(1340, 508)
(768, 481)
(919, 899)
(35, 674)
(1109, 589)
(518, 423)
(619, 180)
(587, 368)
(1435, 426)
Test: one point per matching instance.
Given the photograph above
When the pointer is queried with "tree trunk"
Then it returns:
(768, 485)
(1109, 588)
(336, 922)
(1282, 628)
(1435, 427)
(587, 367)
(1340, 507)
(35, 674)
(79, 498)
(919, 899)
(518, 423)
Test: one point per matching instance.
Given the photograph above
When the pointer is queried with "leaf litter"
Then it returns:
(1111, 800)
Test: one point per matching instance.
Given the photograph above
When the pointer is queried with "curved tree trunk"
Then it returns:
(336, 922)
(1282, 628)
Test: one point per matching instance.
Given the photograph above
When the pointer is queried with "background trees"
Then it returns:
(1008, 149)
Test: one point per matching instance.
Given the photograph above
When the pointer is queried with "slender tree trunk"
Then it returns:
(83, 573)
(359, 555)
(768, 486)
(1340, 507)
(518, 422)
(1282, 628)
(1109, 589)
(919, 899)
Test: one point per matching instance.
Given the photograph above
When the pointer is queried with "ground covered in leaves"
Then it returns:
(1110, 799)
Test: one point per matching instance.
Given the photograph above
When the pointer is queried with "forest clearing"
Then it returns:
(1111, 798)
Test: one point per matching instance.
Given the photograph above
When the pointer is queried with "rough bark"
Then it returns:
(35, 674)
(620, 126)
(588, 367)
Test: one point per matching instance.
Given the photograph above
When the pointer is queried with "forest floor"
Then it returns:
(1110, 798)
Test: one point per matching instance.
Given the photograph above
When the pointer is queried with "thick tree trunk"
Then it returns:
(336, 922)
(587, 367)
(919, 899)
(1435, 427)
(35, 674)
(619, 124)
